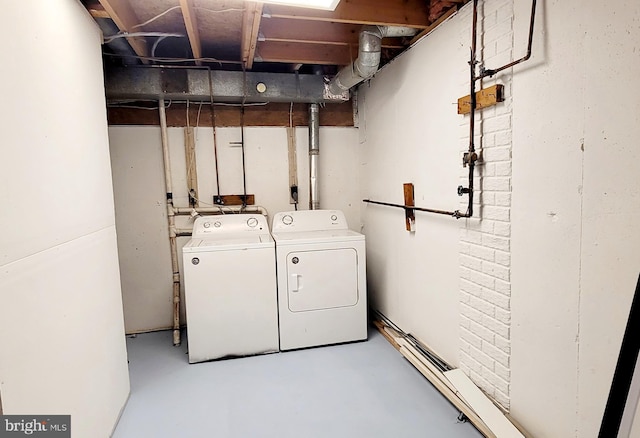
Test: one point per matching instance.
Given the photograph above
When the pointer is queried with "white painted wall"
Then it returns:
(572, 238)
(411, 134)
(576, 210)
(60, 302)
(138, 180)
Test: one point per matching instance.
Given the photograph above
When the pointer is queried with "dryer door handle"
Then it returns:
(294, 282)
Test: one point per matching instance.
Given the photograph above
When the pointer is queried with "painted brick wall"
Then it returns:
(485, 241)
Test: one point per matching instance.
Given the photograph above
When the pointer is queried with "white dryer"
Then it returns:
(230, 287)
(322, 292)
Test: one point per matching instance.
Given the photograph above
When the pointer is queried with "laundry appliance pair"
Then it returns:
(249, 292)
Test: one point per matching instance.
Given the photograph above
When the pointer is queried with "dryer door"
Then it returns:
(322, 279)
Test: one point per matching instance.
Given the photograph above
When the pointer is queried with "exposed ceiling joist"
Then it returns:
(124, 17)
(249, 35)
(410, 13)
(314, 32)
(97, 11)
(251, 19)
(319, 32)
(191, 23)
(301, 53)
(435, 24)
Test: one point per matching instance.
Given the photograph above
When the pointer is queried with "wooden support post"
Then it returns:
(409, 212)
(192, 174)
(293, 165)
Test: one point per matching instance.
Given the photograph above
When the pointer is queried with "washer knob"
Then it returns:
(287, 219)
(206, 224)
(217, 224)
(334, 217)
(252, 222)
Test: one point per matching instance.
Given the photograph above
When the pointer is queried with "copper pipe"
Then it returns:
(493, 71)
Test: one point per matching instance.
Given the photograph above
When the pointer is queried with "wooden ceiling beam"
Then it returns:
(315, 32)
(191, 23)
(281, 29)
(435, 24)
(302, 53)
(251, 19)
(122, 14)
(272, 114)
(96, 10)
(411, 13)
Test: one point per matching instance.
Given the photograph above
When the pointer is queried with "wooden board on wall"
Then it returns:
(484, 98)
(272, 114)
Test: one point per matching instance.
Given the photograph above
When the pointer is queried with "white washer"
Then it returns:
(322, 292)
(230, 287)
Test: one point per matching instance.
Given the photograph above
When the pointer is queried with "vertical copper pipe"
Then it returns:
(472, 115)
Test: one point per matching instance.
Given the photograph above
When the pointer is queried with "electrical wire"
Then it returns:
(170, 60)
(198, 116)
(242, 104)
(110, 38)
(291, 115)
(198, 120)
(221, 10)
(151, 20)
(155, 45)
(162, 14)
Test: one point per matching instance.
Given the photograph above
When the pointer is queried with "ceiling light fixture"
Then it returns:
(328, 5)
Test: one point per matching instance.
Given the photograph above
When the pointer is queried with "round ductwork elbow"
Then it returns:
(366, 65)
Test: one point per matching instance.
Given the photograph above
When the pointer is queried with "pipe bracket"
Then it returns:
(469, 158)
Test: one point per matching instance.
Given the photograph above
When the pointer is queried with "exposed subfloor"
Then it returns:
(363, 389)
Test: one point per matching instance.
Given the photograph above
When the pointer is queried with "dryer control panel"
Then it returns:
(229, 224)
(309, 220)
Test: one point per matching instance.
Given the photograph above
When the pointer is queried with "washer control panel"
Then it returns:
(309, 220)
(229, 223)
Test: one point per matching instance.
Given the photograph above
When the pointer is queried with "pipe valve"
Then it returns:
(469, 158)
(463, 190)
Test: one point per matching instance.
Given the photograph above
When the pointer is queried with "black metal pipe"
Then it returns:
(472, 157)
(213, 127)
(493, 71)
(244, 170)
(455, 214)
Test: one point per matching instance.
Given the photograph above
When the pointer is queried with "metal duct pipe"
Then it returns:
(314, 152)
(366, 65)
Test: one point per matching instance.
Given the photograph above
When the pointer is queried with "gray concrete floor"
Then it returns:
(364, 389)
